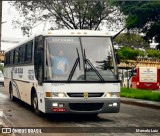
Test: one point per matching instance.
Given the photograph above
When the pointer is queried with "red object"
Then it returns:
(59, 110)
(147, 78)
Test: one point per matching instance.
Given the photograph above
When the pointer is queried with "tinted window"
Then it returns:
(28, 56)
(21, 54)
(38, 58)
(15, 58)
(7, 58)
(11, 57)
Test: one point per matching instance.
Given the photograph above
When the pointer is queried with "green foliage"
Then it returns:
(132, 21)
(154, 31)
(131, 40)
(155, 54)
(127, 53)
(140, 94)
(70, 14)
(143, 15)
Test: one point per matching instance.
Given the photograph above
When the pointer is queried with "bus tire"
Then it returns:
(35, 104)
(11, 93)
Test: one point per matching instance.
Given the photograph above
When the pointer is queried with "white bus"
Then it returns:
(65, 71)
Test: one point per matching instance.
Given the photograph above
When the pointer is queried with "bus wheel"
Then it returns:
(35, 104)
(11, 93)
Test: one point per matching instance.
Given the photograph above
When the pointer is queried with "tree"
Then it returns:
(131, 40)
(142, 16)
(127, 53)
(153, 54)
(70, 14)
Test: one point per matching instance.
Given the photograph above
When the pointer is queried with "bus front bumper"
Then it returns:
(86, 106)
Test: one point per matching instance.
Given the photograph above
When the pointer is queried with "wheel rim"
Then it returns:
(35, 102)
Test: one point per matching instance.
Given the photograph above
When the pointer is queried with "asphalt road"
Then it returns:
(19, 114)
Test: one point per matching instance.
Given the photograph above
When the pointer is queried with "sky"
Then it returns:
(8, 14)
(8, 32)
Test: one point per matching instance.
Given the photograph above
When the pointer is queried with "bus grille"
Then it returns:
(82, 94)
(85, 106)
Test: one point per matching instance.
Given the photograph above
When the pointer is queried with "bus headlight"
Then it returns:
(112, 94)
(59, 94)
(51, 94)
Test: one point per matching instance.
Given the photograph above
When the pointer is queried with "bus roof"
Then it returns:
(74, 33)
(71, 32)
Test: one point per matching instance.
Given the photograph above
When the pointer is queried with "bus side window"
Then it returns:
(21, 54)
(15, 58)
(7, 58)
(38, 59)
(28, 53)
(11, 57)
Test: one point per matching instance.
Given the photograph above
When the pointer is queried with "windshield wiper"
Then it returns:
(87, 61)
(74, 66)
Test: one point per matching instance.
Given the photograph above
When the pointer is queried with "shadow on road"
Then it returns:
(74, 118)
(63, 117)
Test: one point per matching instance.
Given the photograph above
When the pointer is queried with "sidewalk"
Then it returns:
(139, 102)
(2, 124)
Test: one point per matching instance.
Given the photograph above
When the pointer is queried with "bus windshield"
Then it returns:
(85, 58)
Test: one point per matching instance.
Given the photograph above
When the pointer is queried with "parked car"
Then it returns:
(1, 79)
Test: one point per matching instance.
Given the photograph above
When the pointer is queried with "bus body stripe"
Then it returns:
(16, 88)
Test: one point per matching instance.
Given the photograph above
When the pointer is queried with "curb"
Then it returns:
(137, 102)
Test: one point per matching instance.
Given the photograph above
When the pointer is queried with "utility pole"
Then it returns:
(1, 52)
(0, 21)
